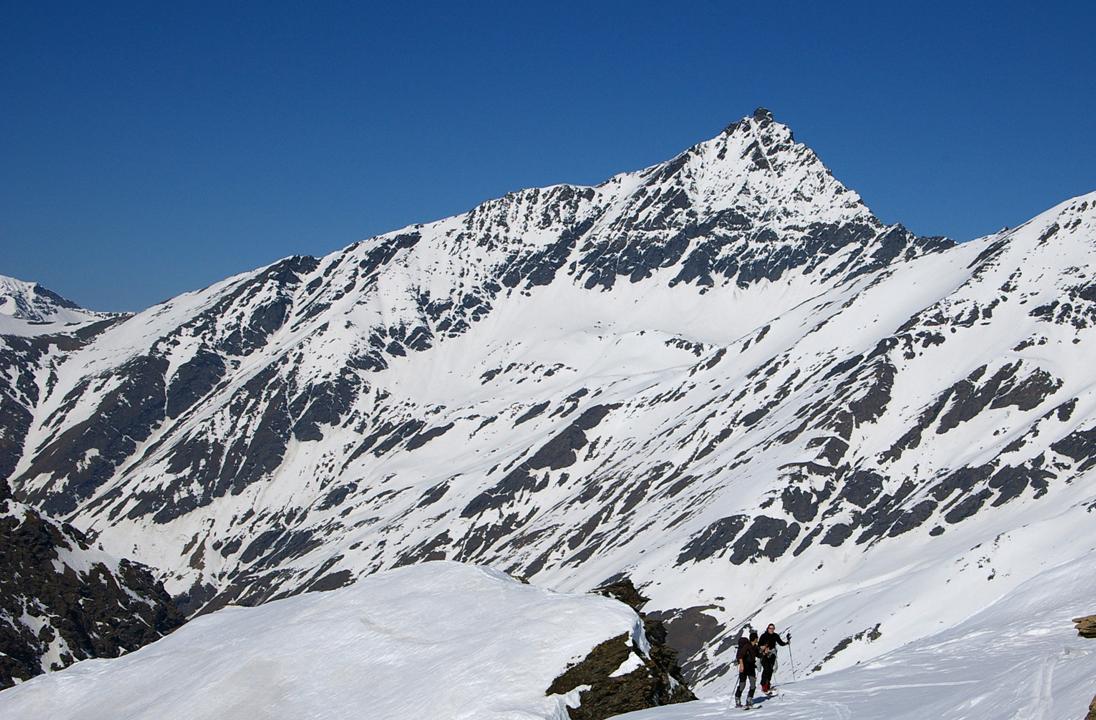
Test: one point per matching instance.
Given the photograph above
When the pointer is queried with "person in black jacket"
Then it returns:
(766, 645)
(747, 668)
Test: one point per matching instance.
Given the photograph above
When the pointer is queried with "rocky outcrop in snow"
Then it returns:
(618, 677)
(1086, 628)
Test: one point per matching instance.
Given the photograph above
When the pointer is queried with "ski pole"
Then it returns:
(792, 658)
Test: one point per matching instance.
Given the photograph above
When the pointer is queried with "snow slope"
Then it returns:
(439, 640)
(721, 375)
(1019, 658)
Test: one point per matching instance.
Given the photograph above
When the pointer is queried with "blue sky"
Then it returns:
(151, 148)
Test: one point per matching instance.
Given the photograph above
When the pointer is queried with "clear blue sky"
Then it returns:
(151, 148)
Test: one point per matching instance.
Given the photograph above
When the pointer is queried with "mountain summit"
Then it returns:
(721, 375)
(27, 308)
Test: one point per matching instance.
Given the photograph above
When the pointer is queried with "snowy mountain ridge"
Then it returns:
(720, 375)
(27, 308)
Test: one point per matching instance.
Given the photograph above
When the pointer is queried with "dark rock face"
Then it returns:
(194, 379)
(1086, 628)
(715, 539)
(767, 537)
(868, 635)
(657, 679)
(625, 591)
(556, 454)
(689, 632)
(79, 605)
(19, 356)
(127, 414)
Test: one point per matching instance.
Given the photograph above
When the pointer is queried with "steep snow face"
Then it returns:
(720, 375)
(62, 599)
(1020, 657)
(438, 640)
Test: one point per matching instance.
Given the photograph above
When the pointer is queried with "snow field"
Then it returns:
(437, 640)
(1020, 658)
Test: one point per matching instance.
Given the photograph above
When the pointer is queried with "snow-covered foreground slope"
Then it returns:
(1019, 658)
(438, 640)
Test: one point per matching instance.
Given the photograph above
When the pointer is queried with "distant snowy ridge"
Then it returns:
(438, 640)
(720, 375)
(27, 308)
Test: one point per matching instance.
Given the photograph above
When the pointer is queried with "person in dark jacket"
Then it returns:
(766, 646)
(747, 668)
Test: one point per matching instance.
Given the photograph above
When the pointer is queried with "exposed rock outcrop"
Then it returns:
(63, 600)
(620, 675)
(1086, 628)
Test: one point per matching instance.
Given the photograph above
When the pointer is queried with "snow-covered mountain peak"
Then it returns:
(756, 164)
(753, 178)
(1076, 214)
(27, 308)
(749, 217)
